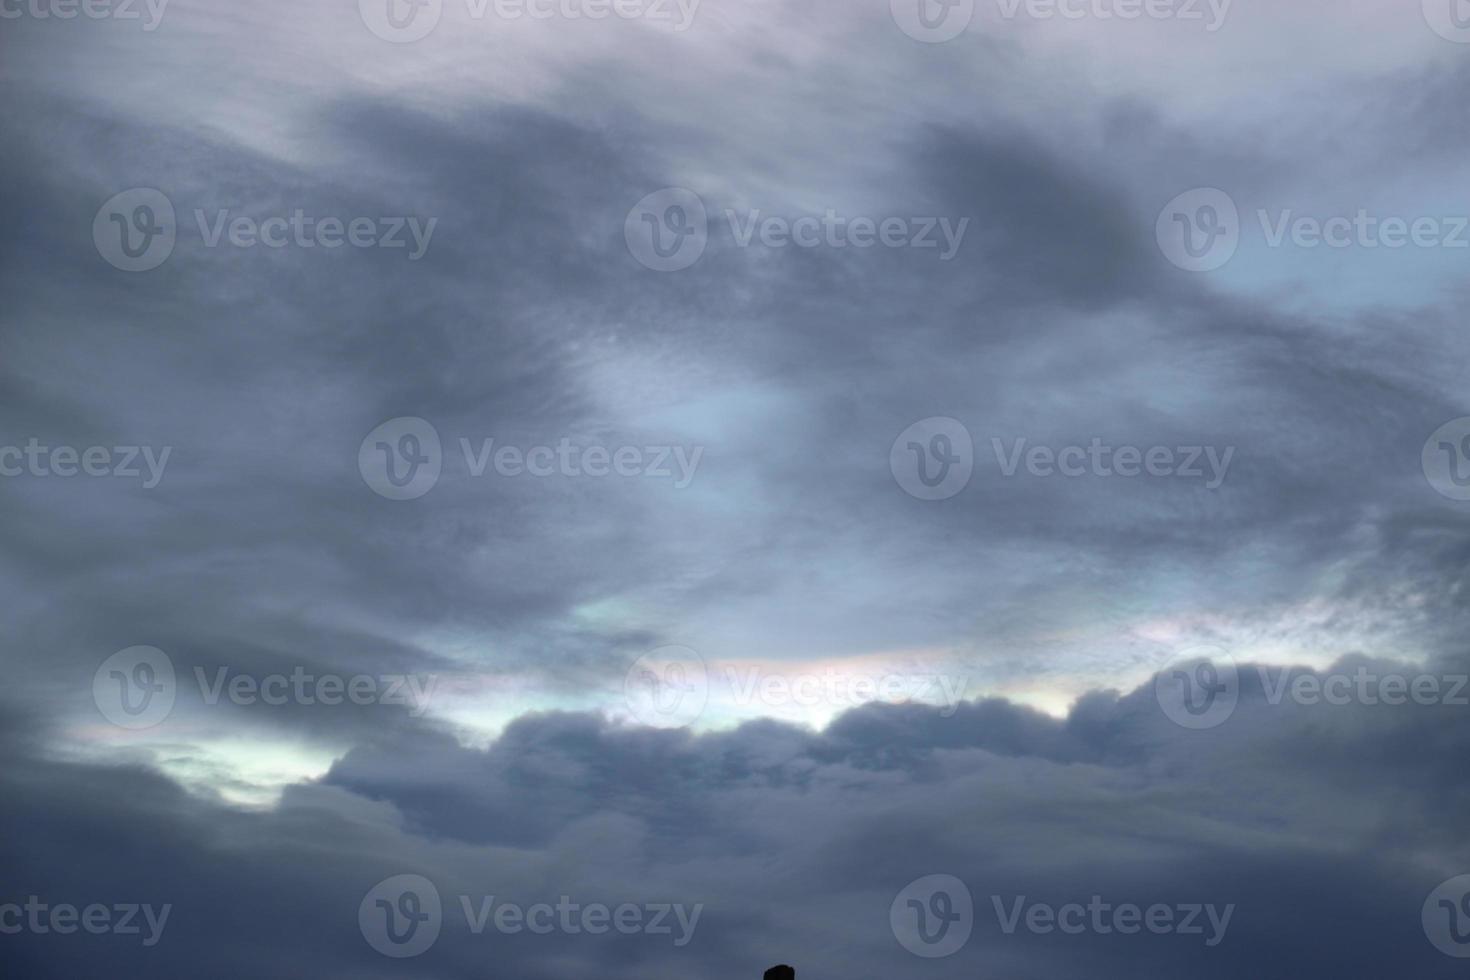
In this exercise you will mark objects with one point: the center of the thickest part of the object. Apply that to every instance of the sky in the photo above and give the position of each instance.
(876, 486)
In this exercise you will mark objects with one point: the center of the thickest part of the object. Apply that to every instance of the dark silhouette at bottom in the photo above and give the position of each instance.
(782, 972)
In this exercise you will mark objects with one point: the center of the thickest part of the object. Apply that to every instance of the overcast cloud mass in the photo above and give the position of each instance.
(659, 488)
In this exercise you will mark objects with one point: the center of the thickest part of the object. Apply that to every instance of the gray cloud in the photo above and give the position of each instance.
(792, 370)
(795, 842)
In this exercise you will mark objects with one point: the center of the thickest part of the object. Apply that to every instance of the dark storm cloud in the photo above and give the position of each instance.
(1325, 826)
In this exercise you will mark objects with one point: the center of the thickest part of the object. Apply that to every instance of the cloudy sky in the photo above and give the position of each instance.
(843, 473)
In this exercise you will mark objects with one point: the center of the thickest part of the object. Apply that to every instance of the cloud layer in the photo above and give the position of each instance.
(792, 541)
